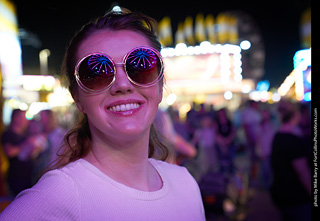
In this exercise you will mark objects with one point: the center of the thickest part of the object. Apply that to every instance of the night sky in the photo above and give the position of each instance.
(54, 23)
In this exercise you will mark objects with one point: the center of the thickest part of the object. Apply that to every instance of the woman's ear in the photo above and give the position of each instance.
(79, 106)
(78, 103)
(160, 93)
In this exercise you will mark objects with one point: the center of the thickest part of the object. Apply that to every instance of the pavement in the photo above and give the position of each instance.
(261, 208)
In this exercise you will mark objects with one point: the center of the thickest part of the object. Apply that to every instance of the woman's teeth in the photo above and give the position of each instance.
(124, 107)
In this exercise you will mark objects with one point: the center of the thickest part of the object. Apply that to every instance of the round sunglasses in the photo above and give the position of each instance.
(96, 72)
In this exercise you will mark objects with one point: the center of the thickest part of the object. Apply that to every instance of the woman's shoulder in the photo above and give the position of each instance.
(171, 171)
(183, 186)
(54, 195)
(57, 181)
(165, 165)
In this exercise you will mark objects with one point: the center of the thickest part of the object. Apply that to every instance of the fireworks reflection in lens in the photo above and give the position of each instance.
(100, 64)
(142, 58)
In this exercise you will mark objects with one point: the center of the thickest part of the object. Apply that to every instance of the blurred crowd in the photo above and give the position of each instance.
(28, 148)
(261, 144)
(225, 151)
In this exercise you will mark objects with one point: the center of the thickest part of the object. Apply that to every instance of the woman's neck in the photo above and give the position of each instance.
(125, 162)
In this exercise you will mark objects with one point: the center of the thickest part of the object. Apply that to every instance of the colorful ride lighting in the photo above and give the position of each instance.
(302, 61)
(229, 58)
(204, 48)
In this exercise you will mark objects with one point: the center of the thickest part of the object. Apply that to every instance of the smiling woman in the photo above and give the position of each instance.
(112, 164)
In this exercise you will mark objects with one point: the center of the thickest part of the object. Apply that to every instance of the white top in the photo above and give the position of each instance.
(80, 191)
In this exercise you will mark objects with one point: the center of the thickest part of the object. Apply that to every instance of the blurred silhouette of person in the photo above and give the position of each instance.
(291, 187)
(16, 144)
(40, 149)
(182, 148)
(212, 112)
(181, 127)
(226, 132)
(202, 113)
(251, 119)
(305, 120)
(305, 127)
(266, 133)
(192, 120)
(205, 139)
(53, 132)
(4, 165)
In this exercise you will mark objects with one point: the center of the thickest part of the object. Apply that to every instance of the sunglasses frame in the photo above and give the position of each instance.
(123, 63)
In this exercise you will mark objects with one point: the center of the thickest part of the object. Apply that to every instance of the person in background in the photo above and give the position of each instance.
(181, 127)
(251, 119)
(40, 156)
(4, 166)
(112, 165)
(305, 127)
(266, 133)
(226, 132)
(182, 149)
(291, 187)
(18, 149)
(53, 132)
(205, 139)
(192, 121)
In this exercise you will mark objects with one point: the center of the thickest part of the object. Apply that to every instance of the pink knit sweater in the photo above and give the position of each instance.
(80, 191)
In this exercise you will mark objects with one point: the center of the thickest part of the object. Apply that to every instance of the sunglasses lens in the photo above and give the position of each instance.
(143, 66)
(96, 72)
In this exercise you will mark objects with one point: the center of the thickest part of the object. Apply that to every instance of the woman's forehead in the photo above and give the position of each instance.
(114, 43)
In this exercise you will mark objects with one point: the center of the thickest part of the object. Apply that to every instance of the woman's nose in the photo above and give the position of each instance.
(122, 84)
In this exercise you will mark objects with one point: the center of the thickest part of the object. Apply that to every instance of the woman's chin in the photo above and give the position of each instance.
(132, 130)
